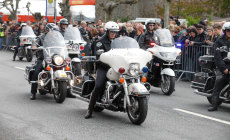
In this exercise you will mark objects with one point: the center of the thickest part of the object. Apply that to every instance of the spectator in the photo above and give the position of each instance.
(129, 28)
(99, 22)
(139, 32)
(217, 28)
(2, 34)
(158, 25)
(210, 36)
(85, 33)
(35, 29)
(176, 31)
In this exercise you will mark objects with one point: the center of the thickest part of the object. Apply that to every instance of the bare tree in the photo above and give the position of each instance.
(108, 6)
(65, 9)
(9, 5)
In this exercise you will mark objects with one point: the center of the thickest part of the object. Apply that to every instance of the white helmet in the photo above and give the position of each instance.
(23, 24)
(112, 26)
(226, 26)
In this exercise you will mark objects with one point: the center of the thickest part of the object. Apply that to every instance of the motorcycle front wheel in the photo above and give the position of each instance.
(60, 92)
(29, 56)
(138, 111)
(167, 84)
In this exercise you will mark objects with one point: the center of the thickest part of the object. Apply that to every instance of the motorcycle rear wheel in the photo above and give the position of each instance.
(60, 92)
(138, 111)
(29, 56)
(169, 85)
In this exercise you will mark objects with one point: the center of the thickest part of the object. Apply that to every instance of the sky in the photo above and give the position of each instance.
(40, 6)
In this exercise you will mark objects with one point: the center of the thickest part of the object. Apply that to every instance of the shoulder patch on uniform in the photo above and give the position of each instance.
(99, 44)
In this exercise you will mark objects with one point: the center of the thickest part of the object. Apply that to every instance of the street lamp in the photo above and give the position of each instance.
(28, 9)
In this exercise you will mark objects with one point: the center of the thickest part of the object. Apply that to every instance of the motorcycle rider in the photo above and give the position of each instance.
(222, 71)
(147, 37)
(104, 43)
(19, 32)
(39, 54)
(63, 25)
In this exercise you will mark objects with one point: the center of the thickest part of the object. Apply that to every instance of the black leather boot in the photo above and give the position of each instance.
(88, 114)
(212, 108)
(32, 96)
(14, 58)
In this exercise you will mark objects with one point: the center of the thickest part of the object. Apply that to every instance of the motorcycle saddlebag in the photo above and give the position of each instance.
(203, 82)
(207, 62)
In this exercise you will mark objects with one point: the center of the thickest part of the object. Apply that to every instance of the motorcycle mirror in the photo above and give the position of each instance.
(99, 52)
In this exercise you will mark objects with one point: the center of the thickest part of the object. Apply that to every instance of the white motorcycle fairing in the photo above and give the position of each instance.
(168, 71)
(60, 75)
(117, 58)
(137, 89)
(168, 54)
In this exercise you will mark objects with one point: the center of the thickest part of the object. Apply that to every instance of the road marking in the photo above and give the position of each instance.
(20, 68)
(202, 116)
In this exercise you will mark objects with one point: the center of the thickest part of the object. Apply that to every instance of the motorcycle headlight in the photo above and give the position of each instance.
(75, 47)
(168, 55)
(58, 60)
(134, 69)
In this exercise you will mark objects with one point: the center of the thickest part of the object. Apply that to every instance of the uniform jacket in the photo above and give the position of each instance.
(145, 40)
(219, 55)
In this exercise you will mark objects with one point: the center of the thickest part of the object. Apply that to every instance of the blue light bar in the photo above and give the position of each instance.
(145, 69)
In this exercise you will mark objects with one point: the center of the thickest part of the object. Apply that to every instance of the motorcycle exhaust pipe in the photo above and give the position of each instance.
(202, 93)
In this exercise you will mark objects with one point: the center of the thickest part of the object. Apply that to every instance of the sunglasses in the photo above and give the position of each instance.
(113, 32)
(228, 30)
(199, 28)
(151, 25)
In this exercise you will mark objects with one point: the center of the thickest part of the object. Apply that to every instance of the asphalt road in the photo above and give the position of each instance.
(181, 116)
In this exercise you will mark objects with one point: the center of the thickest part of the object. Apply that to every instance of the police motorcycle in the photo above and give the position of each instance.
(26, 39)
(164, 54)
(125, 90)
(56, 77)
(75, 44)
(204, 81)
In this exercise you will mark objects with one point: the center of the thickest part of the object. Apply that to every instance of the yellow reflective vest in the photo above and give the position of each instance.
(2, 34)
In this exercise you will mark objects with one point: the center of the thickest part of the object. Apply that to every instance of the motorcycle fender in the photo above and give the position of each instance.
(60, 75)
(138, 89)
(76, 60)
(168, 71)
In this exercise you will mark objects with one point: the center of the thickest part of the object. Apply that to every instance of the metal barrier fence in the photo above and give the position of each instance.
(8, 42)
(188, 63)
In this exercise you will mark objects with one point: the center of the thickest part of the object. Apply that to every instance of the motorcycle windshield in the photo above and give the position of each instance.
(73, 34)
(27, 31)
(54, 44)
(124, 42)
(164, 38)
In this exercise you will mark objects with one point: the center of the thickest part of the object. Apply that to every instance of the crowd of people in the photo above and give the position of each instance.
(196, 35)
